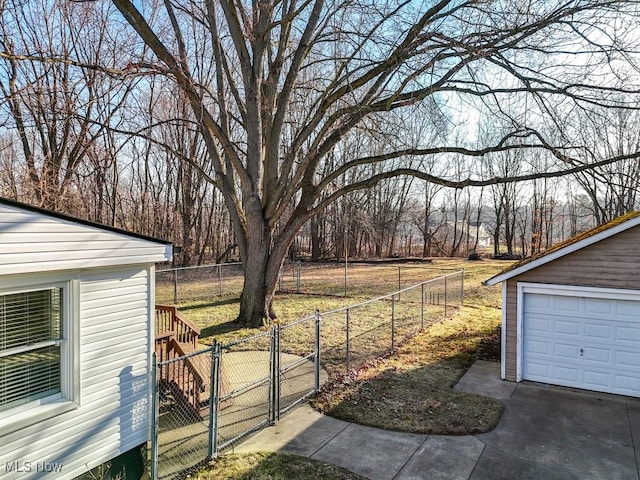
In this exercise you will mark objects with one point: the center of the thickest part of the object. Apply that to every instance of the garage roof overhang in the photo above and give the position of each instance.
(595, 235)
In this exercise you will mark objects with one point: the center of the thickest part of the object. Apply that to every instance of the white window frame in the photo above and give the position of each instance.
(68, 398)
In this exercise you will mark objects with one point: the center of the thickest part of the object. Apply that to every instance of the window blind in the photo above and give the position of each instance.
(30, 346)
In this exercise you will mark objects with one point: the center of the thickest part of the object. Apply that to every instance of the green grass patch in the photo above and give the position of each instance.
(272, 466)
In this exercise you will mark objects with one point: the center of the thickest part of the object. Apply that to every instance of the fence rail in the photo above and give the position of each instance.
(251, 382)
(210, 283)
(200, 283)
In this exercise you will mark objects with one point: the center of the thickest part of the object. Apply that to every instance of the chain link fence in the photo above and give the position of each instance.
(349, 279)
(200, 284)
(208, 400)
(211, 283)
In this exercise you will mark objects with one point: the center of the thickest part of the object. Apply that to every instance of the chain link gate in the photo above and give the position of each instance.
(210, 399)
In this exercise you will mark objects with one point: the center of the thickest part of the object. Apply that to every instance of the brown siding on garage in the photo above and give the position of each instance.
(511, 333)
(611, 263)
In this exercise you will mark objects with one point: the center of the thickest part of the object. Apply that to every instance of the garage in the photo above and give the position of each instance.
(582, 339)
(571, 314)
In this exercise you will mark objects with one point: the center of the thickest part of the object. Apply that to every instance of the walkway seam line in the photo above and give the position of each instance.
(526, 460)
(484, 447)
(410, 457)
(348, 424)
(633, 440)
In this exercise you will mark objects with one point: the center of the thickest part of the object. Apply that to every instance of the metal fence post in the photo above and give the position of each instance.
(272, 376)
(277, 370)
(393, 320)
(346, 282)
(175, 286)
(154, 416)
(422, 306)
(348, 340)
(214, 399)
(274, 404)
(317, 348)
(399, 282)
(445, 297)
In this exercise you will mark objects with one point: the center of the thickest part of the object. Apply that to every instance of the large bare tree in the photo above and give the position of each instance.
(278, 87)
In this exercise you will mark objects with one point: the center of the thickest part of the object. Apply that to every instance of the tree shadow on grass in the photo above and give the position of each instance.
(221, 329)
(205, 304)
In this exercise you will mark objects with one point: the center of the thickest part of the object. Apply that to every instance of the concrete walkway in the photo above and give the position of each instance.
(546, 433)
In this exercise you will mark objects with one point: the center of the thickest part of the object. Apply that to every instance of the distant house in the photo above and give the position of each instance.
(571, 315)
(465, 234)
(479, 231)
(76, 339)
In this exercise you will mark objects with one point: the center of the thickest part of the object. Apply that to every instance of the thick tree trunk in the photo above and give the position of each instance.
(260, 279)
(315, 240)
(261, 264)
(256, 300)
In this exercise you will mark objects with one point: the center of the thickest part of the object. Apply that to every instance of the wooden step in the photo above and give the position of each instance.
(202, 365)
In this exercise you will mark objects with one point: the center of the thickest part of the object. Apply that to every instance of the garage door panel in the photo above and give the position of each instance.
(598, 332)
(567, 327)
(564, 351)
(627, 384)
(628, 334)
(628, 359)
(538, 347)
(539, 324)
(597, 354)
(566, 304)
(538, 371)
(582, 342)
(597, 380)
(540, 303)
(628, 310)
(599, 306)
(566, 374)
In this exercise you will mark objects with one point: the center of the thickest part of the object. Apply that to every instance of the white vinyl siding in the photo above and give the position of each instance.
(34, 242)
(113, 413)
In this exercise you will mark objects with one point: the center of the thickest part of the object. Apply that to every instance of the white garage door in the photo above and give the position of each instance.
(574, 341)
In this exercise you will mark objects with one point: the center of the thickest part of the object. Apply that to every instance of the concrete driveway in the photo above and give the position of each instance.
(546, 433)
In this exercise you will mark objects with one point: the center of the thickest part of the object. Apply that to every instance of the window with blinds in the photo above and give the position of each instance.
(31, 340)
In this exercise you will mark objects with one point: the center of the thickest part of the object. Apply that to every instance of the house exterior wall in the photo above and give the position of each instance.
(112, 415)
(34, 242)
(610, 263)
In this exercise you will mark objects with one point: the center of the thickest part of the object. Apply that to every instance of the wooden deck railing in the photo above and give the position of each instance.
(169, 319)
(176, 336)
